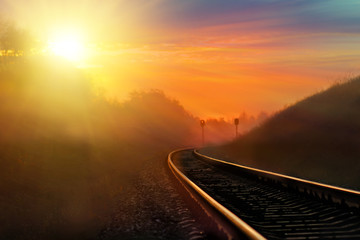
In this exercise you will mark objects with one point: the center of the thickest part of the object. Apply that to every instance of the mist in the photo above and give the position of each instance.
(66, 153)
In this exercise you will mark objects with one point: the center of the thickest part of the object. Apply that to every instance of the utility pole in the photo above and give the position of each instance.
(202, 124)
(236, 122)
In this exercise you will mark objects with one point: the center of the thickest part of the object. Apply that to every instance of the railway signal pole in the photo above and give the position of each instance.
(236, 122)
(202, 124)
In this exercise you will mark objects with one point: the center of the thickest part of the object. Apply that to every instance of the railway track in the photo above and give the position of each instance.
(254, 204)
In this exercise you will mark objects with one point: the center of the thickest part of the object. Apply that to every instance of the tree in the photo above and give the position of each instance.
(14, 41)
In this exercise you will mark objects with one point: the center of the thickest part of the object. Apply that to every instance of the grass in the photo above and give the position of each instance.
(317, 138)
(66, 154)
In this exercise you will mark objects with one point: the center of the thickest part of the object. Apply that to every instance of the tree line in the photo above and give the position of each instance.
(14, 41)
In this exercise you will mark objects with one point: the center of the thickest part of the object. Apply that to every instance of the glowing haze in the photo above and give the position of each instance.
(218, 58)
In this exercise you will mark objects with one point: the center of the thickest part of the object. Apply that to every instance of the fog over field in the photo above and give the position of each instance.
(67, 153)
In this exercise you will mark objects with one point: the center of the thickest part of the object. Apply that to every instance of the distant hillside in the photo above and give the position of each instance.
(317, 138)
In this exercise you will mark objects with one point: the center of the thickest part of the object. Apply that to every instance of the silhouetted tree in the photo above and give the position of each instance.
(14, 41)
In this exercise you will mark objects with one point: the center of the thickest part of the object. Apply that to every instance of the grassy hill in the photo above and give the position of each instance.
(317, 139)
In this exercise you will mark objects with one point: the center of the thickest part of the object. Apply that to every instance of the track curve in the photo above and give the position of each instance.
(262, 204)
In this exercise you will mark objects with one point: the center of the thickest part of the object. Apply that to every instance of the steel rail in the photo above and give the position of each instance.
(238, 223)
(335, 194)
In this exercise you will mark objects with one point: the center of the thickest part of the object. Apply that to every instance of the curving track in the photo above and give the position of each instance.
(256, 204)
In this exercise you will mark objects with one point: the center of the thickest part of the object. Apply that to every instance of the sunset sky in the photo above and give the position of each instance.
(217, 57)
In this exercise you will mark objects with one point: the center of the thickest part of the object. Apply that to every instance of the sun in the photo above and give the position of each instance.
(68, 46)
